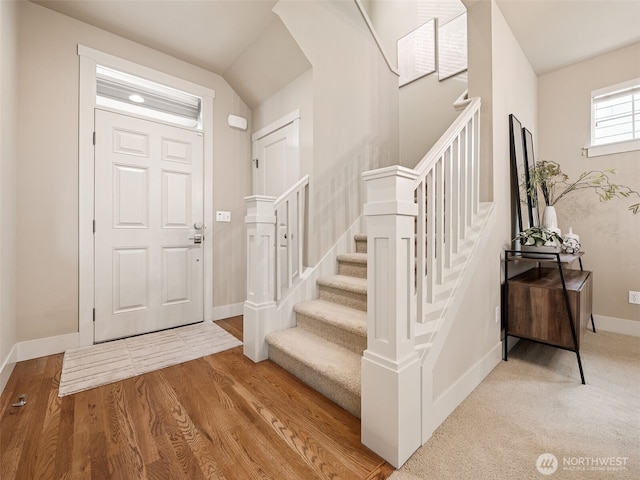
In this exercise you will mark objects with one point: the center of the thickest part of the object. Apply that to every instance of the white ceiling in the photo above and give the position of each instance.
(244, 41)
(556, 33)
(209, 34)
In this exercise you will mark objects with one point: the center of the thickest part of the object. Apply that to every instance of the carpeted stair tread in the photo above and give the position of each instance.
(361, 242)
(353, 258)
(326, 367)
(352, 264)
(360, 237)
(333, 361)
(334, 314)
(344, 282)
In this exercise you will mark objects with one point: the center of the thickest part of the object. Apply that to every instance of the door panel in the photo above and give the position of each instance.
(176, 281)
(130, 197)
(277, 165)
(130, 143)
(130, 279)
(176, 199)
(148, 196)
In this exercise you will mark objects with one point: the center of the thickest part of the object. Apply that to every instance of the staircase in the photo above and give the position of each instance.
(385, 378)
(325, 349)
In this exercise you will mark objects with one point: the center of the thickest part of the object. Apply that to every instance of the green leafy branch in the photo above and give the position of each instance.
(554, 184)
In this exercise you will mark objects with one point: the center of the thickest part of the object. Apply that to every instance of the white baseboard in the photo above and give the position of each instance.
(42, 347)
(456, 393)
(227, 311)
(617, 325)
(7, 367)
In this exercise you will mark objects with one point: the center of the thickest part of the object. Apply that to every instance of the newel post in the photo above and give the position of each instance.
(260, 307)
(391, 392)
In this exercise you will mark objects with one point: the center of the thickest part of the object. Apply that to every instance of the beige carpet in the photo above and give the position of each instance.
(534, 405)
(88, 367)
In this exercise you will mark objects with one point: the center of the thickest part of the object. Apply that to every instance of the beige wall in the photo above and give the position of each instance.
(47, 186)
(507, 84)
(354, 113)
(609, 234)
(426, 104)
(8, 165)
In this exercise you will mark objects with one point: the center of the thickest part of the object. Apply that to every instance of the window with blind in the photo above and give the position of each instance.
(125, 92)
(615, 119)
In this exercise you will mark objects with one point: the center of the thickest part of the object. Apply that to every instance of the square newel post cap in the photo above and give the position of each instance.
(260, 209)
(390, 190)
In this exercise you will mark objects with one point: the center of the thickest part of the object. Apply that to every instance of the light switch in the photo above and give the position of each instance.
(222, 216)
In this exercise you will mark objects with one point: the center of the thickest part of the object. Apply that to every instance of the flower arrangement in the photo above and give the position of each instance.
(555, 184)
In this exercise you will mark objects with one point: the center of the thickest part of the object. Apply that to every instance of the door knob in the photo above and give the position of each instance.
(198, 226)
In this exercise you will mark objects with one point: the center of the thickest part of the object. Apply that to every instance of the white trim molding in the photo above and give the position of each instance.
(226, 311)
(451, 398)
(611, 148)
(276, 125)
(41, 347)
(89, 58)
(7, 367)
(617, 325)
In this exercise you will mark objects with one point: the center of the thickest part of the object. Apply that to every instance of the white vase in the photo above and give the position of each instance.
(550, 219)
(571, 242)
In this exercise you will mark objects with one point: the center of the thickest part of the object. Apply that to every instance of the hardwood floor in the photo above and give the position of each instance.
(217, 417)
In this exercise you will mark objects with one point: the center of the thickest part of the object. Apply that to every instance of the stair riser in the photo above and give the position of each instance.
(352, 269)
(354, 342)
(343, 297)
(361, 246)
(333, 391)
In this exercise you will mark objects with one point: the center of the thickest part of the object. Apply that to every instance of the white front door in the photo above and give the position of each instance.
(276, 161)
(148, 216)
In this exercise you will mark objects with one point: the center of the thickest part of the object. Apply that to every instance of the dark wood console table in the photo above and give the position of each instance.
(549, 304)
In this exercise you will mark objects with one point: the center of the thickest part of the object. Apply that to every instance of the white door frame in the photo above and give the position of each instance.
(291, 118)
(89, 58)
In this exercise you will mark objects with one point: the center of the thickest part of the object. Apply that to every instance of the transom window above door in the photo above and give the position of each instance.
(127, 93)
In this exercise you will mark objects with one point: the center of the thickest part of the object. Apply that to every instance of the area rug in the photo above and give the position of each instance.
(89, 367)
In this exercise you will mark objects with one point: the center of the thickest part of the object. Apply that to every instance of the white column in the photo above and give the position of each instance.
(391, 413)
(260, 306)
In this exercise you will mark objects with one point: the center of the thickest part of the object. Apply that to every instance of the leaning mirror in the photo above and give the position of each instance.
(530, 162)
(519, 169)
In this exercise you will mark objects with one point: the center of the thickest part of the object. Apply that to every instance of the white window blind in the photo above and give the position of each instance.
(617, 116)
(615, 119)
(122, 91)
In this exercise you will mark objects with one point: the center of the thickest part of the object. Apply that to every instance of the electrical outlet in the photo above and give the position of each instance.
(498, 314)
(634, 297)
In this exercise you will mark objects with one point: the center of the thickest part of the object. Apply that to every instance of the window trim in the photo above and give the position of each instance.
(613, 147)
